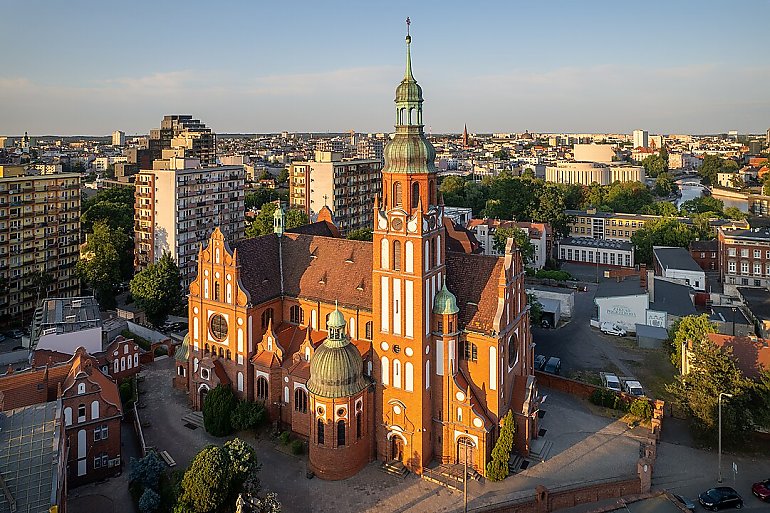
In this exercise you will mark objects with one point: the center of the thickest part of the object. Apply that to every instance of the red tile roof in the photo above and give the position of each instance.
(473, 279)
(752, 354)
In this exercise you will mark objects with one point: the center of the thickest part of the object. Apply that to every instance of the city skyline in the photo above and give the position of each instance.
(497, 68)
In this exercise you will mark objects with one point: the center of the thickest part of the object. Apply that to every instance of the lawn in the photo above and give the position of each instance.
(654, 371)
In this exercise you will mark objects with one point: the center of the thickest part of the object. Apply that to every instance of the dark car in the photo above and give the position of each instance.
(720, 498)
(762, 490)
(16, 333)
(540, 361)
(684, 501)
(552, 366)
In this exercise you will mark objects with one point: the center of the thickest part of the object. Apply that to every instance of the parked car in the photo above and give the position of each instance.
(16, 333)
(720, 498)
(612, 329)
(552, 366)
(2, 337)
(632, 387)
(540, 361)
(684, 501)
(610, 381)
(762, 490)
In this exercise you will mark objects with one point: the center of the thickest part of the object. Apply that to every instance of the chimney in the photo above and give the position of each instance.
(643, 276)
(651, 285)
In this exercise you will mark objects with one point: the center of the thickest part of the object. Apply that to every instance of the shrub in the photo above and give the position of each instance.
(641, 408)
(126, 392)
(217, 408)
(284, 437)
(604, 397)
(247, 415)
(161, 351)
(497, 468)
(553, 275)
(297, 447)
(147, 471)
(150, 501)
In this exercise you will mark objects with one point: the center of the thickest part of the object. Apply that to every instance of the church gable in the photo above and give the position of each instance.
(473, 279)
(219, 276)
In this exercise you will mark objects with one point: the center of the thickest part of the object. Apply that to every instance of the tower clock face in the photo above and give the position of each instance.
(397, 224)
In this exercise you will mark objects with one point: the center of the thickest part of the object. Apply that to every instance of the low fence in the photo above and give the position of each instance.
(546, 500)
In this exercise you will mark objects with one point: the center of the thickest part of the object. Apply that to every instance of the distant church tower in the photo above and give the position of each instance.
(408, 271)
(465, 136)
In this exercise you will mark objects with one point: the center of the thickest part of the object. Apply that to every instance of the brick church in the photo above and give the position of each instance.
(396, 349)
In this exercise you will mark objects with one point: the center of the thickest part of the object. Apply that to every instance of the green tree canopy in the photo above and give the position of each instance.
(713, 371)
(665, 185)
(117, 215)
(205, 486)
(654, 165)
(662, 232)
(157, 290)
(628, 197)
(104, 255)
(520, 238)
(217, 408)
(735, 213)
(536, 309)
(360, 234)
(660, 208)
(296, 217)
(714, 164)
(702, 205)
(694, 328)
(283, 176)
(497, 468)
(263, 223)
(259, 197)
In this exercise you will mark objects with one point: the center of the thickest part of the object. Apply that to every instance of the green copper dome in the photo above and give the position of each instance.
(445, 303)
(409, 152)
(336, 368)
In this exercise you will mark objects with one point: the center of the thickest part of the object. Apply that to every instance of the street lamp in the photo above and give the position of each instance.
(467, 443)
(720, 432)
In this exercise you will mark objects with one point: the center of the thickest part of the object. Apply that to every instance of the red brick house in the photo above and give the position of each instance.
(706, 254)
(119, 360)
(92, 411)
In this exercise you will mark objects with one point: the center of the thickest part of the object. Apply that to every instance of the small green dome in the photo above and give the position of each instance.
(445, 303)
(336, 368)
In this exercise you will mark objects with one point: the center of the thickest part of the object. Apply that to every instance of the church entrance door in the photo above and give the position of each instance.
(396, 448)
(202, 396)
(466, 451)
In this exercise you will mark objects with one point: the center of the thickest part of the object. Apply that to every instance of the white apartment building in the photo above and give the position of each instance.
(586, 173)
(540, 236)
(118, 138)
(178, 205)
(641, 138)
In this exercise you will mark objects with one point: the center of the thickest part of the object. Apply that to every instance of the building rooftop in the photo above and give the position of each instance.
(704, 245)
(728, 314)
(675, 258)
(672, 298)
(762, 234)
(30, 447)
(758, 301)
(588, 242)
(65, 315)
(630, 286)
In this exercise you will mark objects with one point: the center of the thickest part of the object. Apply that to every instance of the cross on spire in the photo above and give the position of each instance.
(325, 198)
(408, 22)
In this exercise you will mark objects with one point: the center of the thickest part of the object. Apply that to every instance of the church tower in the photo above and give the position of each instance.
(408, 271)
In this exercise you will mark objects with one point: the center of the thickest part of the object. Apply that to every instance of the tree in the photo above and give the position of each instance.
(760, 399)
(712, 165)
(217, 407)
(497, 468)
(502, 155)
(692, 328)
(260, 196)
(660, 208)
(662, 232)
(156, 289)
(263, 223)
(247, 415)
(665, 185)
(535, 310)
(628, 197)
(147, 471)
(360, 234)
(737, 182)
(241, 460)
(205, 486)
(735, 213)
(121, 194)
(703, 204)
(713, 371)
(116, 215)
(101, 264)
(265, 175)
(149, 502)
(283, 176)
(520, 238)
(654, 165)
(296, 217)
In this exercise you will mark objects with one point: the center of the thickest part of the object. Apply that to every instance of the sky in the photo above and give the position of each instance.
(84, 67)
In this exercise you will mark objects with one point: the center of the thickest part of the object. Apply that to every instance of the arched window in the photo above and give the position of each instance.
(340, 433)
(206, 349)
(262, 388)
(397, 373)
(320, 431)
(432, 192)
(300, 400)
(434, 252)
(415, 194)
(216, 291)
(385, 371)
(369, 330)
(228, 355)
(513, 350)
(396, 255)
(397, 194)
(221, 352)
(359, 425)
(94, 410)
(267, 316)
(296, 315)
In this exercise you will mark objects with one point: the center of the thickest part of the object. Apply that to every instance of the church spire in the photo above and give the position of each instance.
(408, 74)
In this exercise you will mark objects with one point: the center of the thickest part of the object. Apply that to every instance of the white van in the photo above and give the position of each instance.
(612, 329)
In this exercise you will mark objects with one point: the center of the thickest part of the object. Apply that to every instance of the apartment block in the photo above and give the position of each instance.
(187, 136)
(347, 186)
(39, 233)
(178, 204)
(586, 173)
(540, 236)
(744, 258)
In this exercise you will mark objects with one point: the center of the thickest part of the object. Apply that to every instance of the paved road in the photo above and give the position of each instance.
(579, 346)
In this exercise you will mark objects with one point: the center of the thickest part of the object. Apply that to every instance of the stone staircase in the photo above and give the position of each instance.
(450, 475)
(540, 449)
(194, 418)
(514, 463)
(394, 468)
